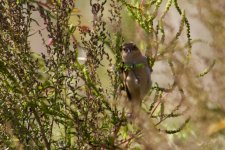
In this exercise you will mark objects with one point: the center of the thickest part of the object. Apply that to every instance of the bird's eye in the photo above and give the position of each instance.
(127, 50)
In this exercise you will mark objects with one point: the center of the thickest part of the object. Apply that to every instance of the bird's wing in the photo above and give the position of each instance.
(125, 73)
(132, 85)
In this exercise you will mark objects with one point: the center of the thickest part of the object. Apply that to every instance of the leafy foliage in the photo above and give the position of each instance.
(56, 101)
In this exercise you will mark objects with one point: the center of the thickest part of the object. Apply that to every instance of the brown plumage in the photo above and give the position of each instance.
(136, 73)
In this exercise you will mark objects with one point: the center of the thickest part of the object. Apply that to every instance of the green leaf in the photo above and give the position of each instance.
(4, 71)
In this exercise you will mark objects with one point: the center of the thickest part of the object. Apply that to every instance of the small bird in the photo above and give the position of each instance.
(136, 73)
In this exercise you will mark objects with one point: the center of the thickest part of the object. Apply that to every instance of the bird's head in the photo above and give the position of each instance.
(130, 51)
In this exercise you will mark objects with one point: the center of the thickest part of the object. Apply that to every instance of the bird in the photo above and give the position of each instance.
(136, 74)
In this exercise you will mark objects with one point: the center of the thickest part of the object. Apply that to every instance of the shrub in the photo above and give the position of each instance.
(54, 100)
